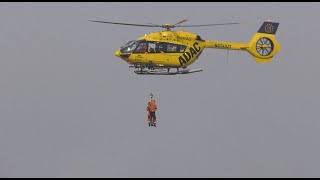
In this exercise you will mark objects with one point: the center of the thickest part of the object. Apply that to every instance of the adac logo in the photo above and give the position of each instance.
(187, 56)
(268, 28)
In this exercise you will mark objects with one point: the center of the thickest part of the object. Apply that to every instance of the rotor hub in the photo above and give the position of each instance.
(168, 26)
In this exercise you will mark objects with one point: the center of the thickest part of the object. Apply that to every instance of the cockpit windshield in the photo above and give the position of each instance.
(129, 47)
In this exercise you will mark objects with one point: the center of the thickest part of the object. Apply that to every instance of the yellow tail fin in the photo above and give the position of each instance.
(263, 45)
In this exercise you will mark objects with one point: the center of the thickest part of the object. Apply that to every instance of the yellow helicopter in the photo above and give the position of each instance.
(156, 53)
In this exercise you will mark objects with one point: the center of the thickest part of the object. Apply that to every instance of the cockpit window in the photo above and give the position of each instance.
(142, 48)
(129, 47)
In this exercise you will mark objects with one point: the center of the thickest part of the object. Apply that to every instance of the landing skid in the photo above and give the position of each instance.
(150, 70)
(161, 72)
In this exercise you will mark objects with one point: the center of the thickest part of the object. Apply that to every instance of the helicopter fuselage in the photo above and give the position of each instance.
(177, 49)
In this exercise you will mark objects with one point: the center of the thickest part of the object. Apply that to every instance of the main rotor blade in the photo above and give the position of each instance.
(180, 22)
(207, 25)
(145, 25)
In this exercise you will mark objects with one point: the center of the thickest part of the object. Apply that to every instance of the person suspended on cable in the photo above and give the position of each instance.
(148, 110)
(152, 108)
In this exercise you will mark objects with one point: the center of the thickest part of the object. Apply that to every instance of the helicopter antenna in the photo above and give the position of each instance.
(228, 56)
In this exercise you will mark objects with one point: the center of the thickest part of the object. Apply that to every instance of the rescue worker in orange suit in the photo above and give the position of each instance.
(151, 108)
(148, 107)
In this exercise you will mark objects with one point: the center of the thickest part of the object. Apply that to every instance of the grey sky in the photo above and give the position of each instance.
(70, 108)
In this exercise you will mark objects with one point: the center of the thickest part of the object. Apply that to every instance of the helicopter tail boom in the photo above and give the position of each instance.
(262, 46)
(226, 45)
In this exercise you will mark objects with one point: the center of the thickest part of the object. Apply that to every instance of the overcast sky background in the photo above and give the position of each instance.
(70, 108)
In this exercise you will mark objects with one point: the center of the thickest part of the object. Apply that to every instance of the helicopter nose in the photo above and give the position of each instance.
(117, 53)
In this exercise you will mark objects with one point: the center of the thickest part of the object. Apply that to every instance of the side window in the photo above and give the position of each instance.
(151, 47)
(142, 48)
(182, 48)
(175, 48)
(160, 47)
(172, 48)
